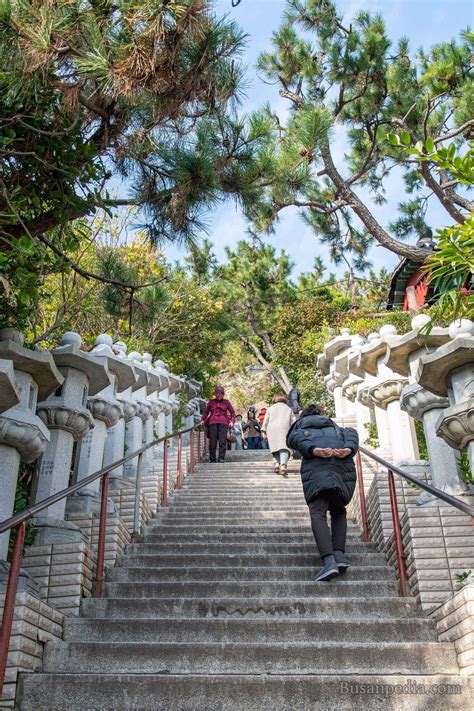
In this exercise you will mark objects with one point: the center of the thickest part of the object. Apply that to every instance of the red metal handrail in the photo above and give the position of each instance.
(179, 464)
(191, 453)
(363, 509)
(164, 498)
(19, 521)
(397, 529)
(10, 597)
(397, 536)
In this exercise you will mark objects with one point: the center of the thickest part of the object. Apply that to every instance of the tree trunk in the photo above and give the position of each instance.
(416, 254)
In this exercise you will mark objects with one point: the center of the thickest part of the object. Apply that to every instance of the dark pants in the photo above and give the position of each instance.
(328, 540)
(217, 433)
(253, 442)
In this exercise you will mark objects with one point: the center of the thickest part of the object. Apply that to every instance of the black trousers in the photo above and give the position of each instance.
(217, 433)
(328, 540)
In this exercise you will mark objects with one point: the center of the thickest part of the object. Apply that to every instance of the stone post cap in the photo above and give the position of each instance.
(350, 387)
(387, 391)
(194, 386)
(416, 400)
(70, 355)
(9, 395)
(376, 347)
(176, 384)
(398, 353)
(434, 368)
(337, 344)
(140, 370)
(357, 340)
(122, 368)
(39, 364)
(461, 328)
(154, 381)
(341, 367)
(120, 349)
(456, 425)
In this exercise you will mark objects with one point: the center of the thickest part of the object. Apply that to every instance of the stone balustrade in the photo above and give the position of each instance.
(427, 375)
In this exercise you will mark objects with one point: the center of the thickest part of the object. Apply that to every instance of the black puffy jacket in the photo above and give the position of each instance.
(319, 473)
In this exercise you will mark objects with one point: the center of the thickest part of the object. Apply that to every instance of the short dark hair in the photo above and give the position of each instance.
(312, 409)
(279, 397)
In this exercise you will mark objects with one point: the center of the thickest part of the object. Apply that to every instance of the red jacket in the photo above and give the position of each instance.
(216, 413)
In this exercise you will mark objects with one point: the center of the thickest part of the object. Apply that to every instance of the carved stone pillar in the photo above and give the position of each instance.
(23, 435)
(449, 371)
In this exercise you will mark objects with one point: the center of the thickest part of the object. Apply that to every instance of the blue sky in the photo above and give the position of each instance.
(424, 22)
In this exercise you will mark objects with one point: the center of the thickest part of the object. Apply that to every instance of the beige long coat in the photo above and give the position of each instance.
(276, 424)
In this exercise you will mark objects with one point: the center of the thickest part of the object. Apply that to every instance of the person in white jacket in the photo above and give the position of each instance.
(276, 425)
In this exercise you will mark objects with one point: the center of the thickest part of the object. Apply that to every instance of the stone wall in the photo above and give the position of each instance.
(455, 623)
(35, 622)
(64, 571)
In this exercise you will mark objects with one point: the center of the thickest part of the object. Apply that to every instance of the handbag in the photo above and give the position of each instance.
(231, 437)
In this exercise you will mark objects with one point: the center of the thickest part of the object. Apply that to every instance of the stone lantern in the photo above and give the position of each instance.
(123, 378)
(448, 372)
(67, 417)
(334, 378)
(385, 394)
(423, 405)
(135, 426)
(9, 392)
(106, 412)
(23, 436)
(352, 389)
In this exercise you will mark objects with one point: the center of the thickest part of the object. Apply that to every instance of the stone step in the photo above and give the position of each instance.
(235, 518)
(245, 544)
(277, 560)
(234, 692)
(146, 573)
(226, 536)
(185, 629)
(343, 585)
(250, 657)
(235, 529)
(339, 607)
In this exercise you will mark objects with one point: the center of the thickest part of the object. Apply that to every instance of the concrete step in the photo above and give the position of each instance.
(250, 658)
(170, 629)
(234, 692)
(258, 538)
(236, 529)
(146, 573)
(277, 560)
(343, 585)
(342, 607)
(245, 544)
(239, 518)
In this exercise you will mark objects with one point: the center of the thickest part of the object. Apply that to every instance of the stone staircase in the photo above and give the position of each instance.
(216, 609)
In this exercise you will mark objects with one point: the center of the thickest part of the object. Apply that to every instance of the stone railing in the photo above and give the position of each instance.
(76, 412)
(391, 381)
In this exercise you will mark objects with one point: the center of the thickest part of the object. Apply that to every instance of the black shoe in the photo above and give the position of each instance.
(221, 461)
(328, 571)
(342, 562)
(212, 461)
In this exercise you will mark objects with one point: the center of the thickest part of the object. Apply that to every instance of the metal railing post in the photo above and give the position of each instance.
(138, 493)
(99, 576)
(199, 447)
(179, 475)
(164, 496)
(397, 536)
(10, 597)
(191, 453)
(363, 509)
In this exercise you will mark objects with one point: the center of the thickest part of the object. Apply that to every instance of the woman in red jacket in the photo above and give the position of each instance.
(219, 415)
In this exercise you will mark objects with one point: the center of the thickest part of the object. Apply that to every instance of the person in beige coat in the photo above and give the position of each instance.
(276, 424)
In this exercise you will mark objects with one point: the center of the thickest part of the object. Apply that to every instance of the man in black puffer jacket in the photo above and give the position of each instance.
(329, 476)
